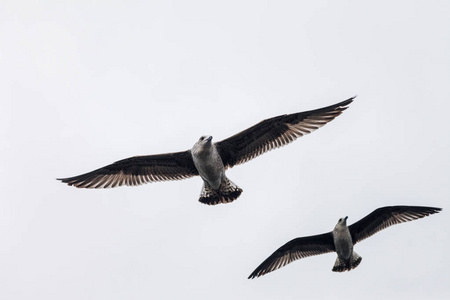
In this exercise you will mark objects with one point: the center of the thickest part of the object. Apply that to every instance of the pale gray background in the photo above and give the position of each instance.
(86, 83)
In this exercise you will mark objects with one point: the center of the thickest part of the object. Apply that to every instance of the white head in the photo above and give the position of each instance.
(203, 144)
(342, 222)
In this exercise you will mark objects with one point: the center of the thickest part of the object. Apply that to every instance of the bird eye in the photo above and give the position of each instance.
(201, 138)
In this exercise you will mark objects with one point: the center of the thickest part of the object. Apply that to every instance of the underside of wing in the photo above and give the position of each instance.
(275, 132)
(384, 217)
(296, 249)
(138, 170)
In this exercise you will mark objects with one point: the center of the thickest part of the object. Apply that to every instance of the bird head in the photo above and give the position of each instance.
(203, 145)
(205, 139)
(343, 221)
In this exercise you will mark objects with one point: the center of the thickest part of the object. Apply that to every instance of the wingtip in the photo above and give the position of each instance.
(430, 210)
(63, 180)
(350, 100)
(344, 104)
(257, 273)
(67, 181)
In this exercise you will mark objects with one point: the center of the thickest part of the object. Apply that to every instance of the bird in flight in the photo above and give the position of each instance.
(210, 160)
(342, 239)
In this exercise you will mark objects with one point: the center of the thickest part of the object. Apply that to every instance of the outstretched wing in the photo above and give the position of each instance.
(384, 217)
(293, 250)
(138, 170)
(275, 132)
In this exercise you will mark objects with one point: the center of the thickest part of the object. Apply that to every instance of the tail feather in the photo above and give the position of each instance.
(342, 266)
(228, 192)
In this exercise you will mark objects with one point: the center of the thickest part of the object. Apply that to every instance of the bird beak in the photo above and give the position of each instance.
(346, 218)
(209, 139)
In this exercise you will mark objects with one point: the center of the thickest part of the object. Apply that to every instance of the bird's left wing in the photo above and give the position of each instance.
(138, 170)
(384, 217)
(293, 250)
(275, 132)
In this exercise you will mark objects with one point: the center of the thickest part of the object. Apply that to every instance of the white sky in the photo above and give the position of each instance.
(86, 83)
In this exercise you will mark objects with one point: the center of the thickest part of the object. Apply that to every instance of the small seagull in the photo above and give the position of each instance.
(210, 160)
(342, 239)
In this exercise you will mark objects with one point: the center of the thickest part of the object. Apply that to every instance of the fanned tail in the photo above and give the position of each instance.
(228, 192)
(342, 266)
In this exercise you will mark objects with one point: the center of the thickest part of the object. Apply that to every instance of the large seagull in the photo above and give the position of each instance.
(342, 239)
(210, 160)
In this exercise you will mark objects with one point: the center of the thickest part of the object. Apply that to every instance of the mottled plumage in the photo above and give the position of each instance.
(210, 160)
(342, 239)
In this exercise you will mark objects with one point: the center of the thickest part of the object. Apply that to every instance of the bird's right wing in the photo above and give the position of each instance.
(384, 217)
(138, 170)
(275, 132)
(293, 250)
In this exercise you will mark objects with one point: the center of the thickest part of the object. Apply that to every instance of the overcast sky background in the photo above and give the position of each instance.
(86, 83)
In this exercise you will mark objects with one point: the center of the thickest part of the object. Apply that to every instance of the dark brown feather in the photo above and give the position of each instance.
(275, 132)
(384, 217)
(138, 170)
(296, 249)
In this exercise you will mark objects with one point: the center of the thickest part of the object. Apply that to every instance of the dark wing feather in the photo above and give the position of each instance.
(138, 170)
(275, 132)
(295, 249)
(384, 217)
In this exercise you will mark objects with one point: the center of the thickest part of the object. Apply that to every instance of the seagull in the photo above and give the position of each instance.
(342, 239)
(210, 160)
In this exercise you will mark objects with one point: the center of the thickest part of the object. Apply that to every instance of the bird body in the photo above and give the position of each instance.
(210, 160)
(216, 186)
(347, 259)
(342, 239)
